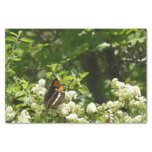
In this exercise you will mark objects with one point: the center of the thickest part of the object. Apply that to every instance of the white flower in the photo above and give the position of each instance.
(39, 88)
(102, 108)
(116, 84)
(69, 95)
(63, 109)
(41, 91)
(9, 109)
(80, 119)
(71, 105)
(142, 99)
(136, 91)
(9, 115)
(33, 89)
(42, 82)
(109, 104)
(128, 119)
(33, 105)
(72, 117)
(24, 117)
(91, 108)
(124, 92)
(26, 100)
(137, 103)
(119, 112)
(138, 118)
(106, 116)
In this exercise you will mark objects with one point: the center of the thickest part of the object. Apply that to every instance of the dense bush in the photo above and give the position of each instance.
(32, 109)
(30, 69)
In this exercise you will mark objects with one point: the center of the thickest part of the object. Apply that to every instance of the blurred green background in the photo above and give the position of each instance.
(104, 53)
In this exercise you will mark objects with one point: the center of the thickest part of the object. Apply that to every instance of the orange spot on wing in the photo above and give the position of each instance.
(56, 83)
(61, 89)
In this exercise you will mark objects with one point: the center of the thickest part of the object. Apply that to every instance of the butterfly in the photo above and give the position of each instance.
(55, 95)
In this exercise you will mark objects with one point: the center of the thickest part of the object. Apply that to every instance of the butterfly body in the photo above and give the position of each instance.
(55, 95)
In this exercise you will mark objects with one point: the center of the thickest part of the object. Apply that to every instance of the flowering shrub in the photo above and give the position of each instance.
(129, 106)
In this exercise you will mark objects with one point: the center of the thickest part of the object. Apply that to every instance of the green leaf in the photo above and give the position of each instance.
(13, 33)
(10, 72)
(52, 66)
(21, 98)
(10, 38)
(25, 40)
(20, 105)
(17, 59)
(70, 77)
(74, 72)
(24, 86)
(81, 91)
(42, 45)
(48, 75)
(16, 88)
(63, 72)
(83, 75)
(7, 46)
(30, 86)
(23, 81)
(9, 89)
(19, 33)
(103, 46)
(85, 89)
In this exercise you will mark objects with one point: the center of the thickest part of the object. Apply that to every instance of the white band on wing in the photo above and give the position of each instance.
(56, 99)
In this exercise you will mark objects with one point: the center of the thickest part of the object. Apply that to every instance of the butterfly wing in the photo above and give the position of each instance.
(55, 94)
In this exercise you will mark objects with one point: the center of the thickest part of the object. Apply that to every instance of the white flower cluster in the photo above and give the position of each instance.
(70, 95)
(24, 117)
(71, 111)
(91, 108)
(124, 91)
(129, 98)
(129, 107)
(72, 117)
(9, 115)
(39, 88)
(136, 119)
(139, 103)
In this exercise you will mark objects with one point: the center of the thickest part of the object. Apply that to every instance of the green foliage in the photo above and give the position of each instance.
(80, 59)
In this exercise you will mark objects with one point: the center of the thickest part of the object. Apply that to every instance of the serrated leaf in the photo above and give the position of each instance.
(25, 39)
(10, 38)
